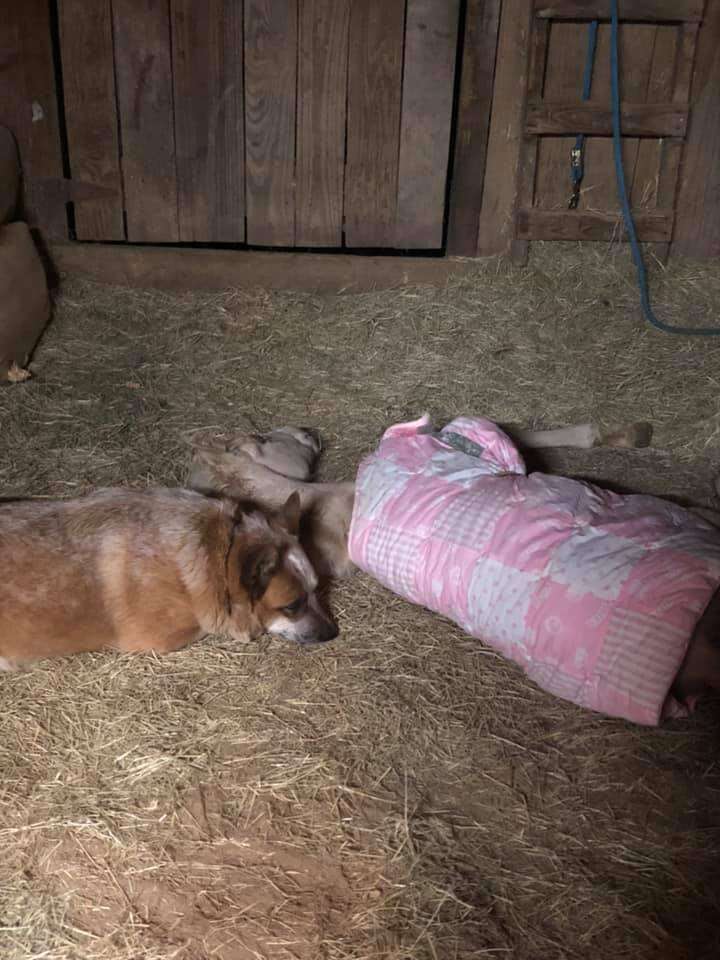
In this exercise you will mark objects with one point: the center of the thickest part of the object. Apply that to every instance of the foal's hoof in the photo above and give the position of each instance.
(633, 436)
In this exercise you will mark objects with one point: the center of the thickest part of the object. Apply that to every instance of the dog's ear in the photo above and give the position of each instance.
(289, 514)
(257, 568)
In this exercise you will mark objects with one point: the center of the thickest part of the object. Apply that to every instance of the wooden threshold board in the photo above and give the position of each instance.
(172, 268)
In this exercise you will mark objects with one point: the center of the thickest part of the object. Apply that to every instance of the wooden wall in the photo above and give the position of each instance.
(328, 123)
(279, 123)
(697, 228)
(651, 57)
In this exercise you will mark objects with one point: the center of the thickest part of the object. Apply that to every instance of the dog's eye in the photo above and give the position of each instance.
(296, 606)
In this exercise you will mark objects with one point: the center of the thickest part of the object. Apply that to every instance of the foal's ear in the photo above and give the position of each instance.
(289, 515)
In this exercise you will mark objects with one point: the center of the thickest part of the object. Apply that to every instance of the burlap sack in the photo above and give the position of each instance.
(24, 300)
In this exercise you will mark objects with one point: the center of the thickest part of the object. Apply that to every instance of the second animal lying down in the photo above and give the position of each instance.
(609, 601)
(150, 570)
(270, 467)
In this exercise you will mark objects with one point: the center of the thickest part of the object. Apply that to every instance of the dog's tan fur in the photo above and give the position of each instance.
(147, 570)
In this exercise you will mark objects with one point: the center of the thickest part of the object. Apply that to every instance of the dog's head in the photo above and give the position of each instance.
(268, 571)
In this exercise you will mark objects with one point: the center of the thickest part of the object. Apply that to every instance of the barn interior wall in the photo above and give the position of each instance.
(482, 192)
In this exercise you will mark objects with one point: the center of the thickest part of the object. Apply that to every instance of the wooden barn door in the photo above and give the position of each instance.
(278, 123)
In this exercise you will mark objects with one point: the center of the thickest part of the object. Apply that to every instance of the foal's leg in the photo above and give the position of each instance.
(583, 436)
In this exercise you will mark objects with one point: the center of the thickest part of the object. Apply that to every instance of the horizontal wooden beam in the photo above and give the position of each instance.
(653, 226)
(651, 11)
(638, 120)
(177, 268)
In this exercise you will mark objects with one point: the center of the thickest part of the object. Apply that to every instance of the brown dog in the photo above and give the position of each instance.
(150, 570)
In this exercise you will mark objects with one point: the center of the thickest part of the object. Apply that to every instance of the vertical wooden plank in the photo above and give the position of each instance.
(373, 139)
(28, 107)
(658, 161)
(636, 52)
(270, 121)
(679, 75)
(322, 100)
(426, 117)
(687, 49)
(207, 65)
(91, 114)
(563, 81)
(539, 36)
(496, 226)
(566, 62)
(660, 87)
(697, 224)
(669, 156)
(144, 81)
(477, 73)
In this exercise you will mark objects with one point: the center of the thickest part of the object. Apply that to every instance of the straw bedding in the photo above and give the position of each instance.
(403, 793)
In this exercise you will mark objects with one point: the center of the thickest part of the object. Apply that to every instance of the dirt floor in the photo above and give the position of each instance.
(402, 793)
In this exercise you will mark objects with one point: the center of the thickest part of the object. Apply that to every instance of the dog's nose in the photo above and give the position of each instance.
(323, 635)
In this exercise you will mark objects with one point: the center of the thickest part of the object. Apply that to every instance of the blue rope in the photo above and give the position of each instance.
(625, 202)
(577, 166)
(592, 44)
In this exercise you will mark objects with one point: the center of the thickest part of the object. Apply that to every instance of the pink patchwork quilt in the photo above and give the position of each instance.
(595, 595)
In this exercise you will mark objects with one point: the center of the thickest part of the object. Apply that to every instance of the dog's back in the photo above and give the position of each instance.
(80, 574)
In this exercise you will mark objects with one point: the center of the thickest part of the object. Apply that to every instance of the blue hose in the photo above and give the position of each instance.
(625, 202)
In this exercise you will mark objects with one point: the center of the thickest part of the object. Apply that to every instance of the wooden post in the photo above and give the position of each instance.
(480, 37)
(697, 225)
